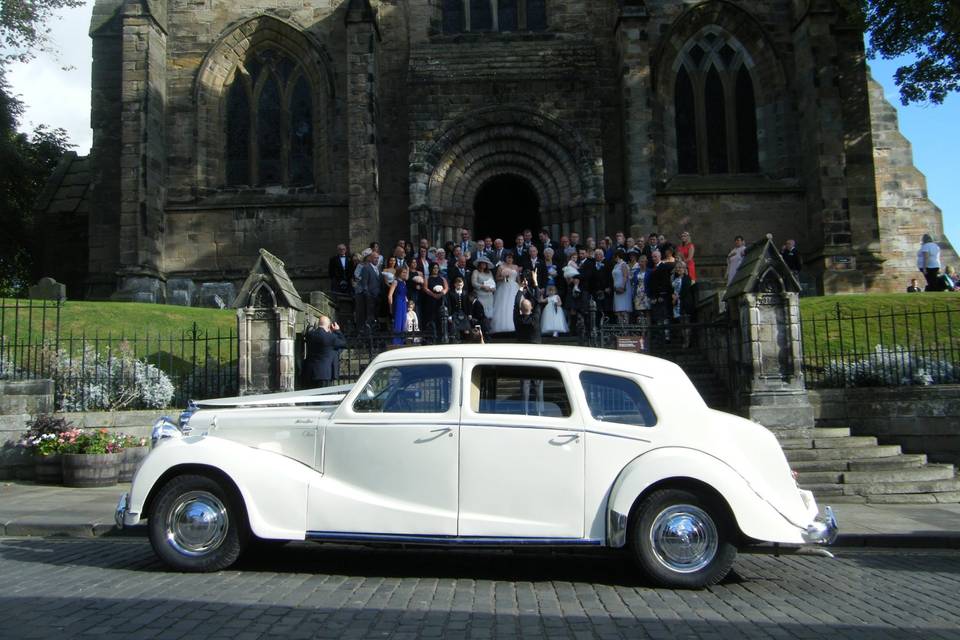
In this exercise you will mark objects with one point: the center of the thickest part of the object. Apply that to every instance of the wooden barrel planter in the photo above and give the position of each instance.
(90, 469)
(130, 460)
(48, 469)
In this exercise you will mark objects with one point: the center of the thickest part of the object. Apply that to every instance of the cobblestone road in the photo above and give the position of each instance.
(115, 587)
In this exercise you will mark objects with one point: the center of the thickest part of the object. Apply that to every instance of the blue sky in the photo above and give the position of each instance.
(61, 98)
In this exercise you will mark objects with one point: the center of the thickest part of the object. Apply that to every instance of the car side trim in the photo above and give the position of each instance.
(346, 536)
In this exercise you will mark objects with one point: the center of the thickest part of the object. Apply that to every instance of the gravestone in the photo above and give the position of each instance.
(48, 289)
(181, 291)
(216, 295)
(763, 301)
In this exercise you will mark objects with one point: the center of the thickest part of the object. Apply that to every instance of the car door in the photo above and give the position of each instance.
(521, 452)
(390, 454)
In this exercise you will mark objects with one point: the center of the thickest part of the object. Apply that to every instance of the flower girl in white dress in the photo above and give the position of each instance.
(553, 321)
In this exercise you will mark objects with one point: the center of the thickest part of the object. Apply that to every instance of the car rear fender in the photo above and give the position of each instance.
(273, 487)
(756, 517)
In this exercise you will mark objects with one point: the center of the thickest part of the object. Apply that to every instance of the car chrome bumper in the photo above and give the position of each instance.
(823, 530)
(123, 517)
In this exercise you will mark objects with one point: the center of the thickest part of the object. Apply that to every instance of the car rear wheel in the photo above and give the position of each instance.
(682, 540)
(196, 525)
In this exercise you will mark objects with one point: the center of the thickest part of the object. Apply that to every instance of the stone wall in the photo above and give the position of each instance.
(919, 419)
(410, 122)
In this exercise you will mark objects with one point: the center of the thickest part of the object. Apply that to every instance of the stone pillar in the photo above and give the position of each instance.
(363, 159)
(773, 393)
(267, 356)
(633, 44)
(831, 123)
(142, 155)
(763, 308)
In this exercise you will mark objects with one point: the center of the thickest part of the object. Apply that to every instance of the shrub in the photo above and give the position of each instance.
(113, 380)
(887, 367)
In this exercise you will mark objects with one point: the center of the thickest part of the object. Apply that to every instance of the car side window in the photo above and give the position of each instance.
(518, 390)
(616, 399)
(419, 388)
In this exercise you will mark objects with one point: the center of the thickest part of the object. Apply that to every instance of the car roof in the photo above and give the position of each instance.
(606, 358)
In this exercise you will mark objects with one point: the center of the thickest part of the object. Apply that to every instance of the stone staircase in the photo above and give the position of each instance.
(840, 468)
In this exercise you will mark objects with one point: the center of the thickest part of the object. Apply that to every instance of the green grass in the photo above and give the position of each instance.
(167, 335)
(858, 323)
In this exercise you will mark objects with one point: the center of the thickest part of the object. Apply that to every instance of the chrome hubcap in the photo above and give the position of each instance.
(197, 523)
(684, 538)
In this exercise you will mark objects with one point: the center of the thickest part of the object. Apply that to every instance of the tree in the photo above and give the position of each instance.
(927, 31)
(23, 25)
(26, 162)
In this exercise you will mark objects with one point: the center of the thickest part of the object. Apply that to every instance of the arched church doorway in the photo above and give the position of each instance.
(505, 205)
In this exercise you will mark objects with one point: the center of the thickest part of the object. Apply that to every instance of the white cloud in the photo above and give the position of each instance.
(52, 95)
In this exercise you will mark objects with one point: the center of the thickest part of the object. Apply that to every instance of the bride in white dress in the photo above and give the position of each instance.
(505, 297)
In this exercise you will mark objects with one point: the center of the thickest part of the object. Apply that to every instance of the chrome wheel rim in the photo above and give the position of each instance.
(197, 523)
(684, 538)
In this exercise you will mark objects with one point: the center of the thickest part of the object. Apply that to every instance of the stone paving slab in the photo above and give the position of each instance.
(55, 589)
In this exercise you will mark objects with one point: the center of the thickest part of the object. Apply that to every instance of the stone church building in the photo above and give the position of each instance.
(224, 126)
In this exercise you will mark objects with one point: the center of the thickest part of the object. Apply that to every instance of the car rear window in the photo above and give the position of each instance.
(419, 388)
(517, 390)
(616, 399)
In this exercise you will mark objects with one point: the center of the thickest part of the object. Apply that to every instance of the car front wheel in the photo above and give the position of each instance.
(681, 540)
(195, 525)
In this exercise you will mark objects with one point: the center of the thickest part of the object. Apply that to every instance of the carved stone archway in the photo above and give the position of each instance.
(447, 175)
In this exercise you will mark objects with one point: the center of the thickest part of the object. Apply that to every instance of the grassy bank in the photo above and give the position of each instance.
(171, 336)
(858, 323)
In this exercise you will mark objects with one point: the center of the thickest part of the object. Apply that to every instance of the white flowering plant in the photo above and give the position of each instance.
(110, 381)
(887, 367)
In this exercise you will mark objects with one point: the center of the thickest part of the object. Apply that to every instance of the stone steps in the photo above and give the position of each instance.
(840, 468)
(844, 453)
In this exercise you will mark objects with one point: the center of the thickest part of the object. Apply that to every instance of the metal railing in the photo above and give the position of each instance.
(894, 347)
(114, 370)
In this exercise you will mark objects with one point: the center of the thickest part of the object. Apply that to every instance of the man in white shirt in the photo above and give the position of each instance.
(928, 262)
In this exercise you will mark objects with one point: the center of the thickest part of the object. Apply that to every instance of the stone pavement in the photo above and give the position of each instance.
(27, 509)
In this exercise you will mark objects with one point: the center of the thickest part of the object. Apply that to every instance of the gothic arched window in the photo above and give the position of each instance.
(461, 16)
(269, 123)
(715, 108)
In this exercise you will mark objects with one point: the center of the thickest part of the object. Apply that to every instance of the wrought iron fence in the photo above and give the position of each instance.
(363, 348)
(887, 348)
(112, 371)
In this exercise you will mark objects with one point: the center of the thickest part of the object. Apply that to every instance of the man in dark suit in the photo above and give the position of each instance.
(545, 241)
(324, 343)
(533, 263)
(458, 306)
(368, 292)
(519, 249)
(460, 270)
(526, 319)
(499, 251)
(339, 270)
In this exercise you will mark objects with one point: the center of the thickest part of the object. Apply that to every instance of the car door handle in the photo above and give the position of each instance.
(303, 421)
(438, 433)
(566, 438)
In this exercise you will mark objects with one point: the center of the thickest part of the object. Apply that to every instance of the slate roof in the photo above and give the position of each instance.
(759, 258)
(270, 269)
(67, 191)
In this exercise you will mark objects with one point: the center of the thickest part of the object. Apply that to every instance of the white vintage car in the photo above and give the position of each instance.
(478, 445)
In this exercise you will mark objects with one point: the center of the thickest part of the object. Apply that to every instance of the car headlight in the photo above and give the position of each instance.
(163, 429)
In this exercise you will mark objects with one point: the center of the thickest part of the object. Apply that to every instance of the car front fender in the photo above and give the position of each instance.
(756, 516)
(273, 487)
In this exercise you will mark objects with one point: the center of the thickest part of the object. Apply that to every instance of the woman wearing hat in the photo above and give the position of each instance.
(483, 283)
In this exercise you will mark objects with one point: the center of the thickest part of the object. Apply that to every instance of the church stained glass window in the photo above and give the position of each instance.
(715, 108)
(269, 123)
